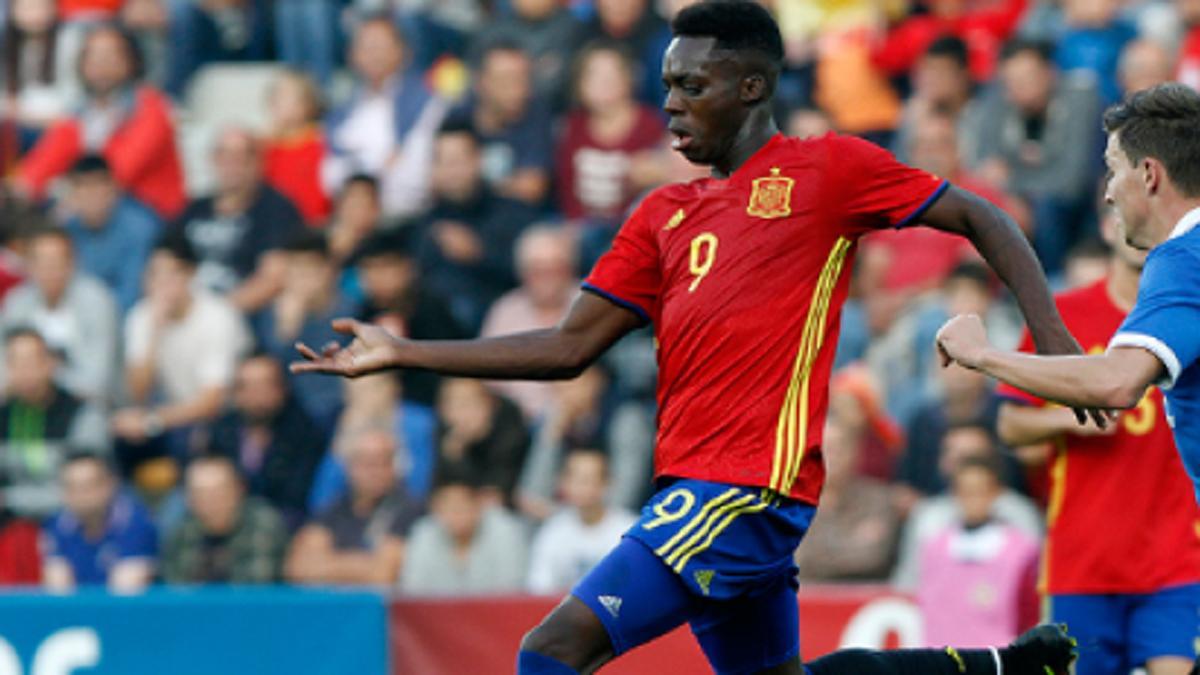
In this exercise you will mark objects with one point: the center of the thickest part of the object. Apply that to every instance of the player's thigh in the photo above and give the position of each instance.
(755, 633)
(1099, 623)
(1166, 624)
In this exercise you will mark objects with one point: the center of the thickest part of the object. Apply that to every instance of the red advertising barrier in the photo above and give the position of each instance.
(480, 636)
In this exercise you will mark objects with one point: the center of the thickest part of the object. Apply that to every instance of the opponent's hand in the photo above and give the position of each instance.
(1064, 344)
(373, 349)
(963, 340)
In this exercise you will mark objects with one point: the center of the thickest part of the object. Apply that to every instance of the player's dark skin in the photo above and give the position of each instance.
(719, 103)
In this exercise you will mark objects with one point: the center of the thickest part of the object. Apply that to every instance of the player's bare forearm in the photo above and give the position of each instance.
(1025, 425)
(1100, 381)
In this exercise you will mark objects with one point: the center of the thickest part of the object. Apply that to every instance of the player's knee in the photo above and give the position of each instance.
(571, 634)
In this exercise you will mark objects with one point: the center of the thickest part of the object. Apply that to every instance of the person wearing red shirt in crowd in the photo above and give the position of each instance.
(984, 30)
(128, 123)
(1132, 594)
(605, 138)
(20, 558)
(743, 276)
(71, 10)
(293, 150)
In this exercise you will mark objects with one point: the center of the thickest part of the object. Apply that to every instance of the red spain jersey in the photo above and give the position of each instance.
(1122, 516)
(744, 279)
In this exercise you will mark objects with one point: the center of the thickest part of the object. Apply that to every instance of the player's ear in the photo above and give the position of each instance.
(754, 88)
(1153, 173)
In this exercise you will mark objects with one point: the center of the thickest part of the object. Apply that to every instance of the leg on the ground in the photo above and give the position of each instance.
(753, 634)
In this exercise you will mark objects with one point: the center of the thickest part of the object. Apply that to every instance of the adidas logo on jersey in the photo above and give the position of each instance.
(612, 603)
(704, 579)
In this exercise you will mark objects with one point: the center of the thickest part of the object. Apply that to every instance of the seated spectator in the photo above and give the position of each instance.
(1028, 139)
(360, 539)
(208, 31)
(464, 546)
(15, 218)
(634, 25)
(548, 33)
(387, 127)
(398, 299)
(854, 535)
(303, 310)
(356, 214)
(112, 232)
(546, 265)
(268, 436)
(604, 139)
(1087, 262)
(181, 349)
(73, 312)
(295, 144)
(984, 27)
(226, 537)
(977, 575)
(129, 124)
(1143, 64)
(572, 541)
(1091, 42)
(941, 84)
(808, 122)
(931, 516)
(20, 557)
(467, 236)
(511, 123)
(482, 434)
(40, 423)
(240, 229)
(102, 537)
(36, 75)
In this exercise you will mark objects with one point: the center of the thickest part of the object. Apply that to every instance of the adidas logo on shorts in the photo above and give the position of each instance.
(612, 603)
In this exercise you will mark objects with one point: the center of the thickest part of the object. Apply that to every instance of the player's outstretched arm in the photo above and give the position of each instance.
(562, 352)
(1116, 379)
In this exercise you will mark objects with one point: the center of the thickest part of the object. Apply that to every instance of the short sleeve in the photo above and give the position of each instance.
(876, 189)
(1166, 319)
(629, 274)
(1010, 393)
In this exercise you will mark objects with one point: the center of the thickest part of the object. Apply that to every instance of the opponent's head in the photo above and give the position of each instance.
(1153, 159)
(721, 67)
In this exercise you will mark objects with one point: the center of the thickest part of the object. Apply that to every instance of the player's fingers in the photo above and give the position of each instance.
(330, 349)
(1099, 418)
(307, 351)
(345, 326)
(299, 367)
(945, 355)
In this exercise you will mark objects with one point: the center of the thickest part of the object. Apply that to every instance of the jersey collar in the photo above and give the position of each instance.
(1187, 223)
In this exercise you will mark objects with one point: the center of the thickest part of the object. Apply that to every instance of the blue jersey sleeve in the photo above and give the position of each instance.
(140, 538)
(1166, 319)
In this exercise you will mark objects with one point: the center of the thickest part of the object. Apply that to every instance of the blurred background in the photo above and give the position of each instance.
(190, 186)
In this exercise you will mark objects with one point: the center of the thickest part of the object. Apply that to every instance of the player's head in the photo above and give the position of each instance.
(721, 67)
(1153, 159)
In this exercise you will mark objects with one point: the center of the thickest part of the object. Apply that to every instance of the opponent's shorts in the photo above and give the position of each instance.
(718, 557)
(1119, 632)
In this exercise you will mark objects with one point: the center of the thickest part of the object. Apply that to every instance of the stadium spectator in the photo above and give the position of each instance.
(376, 403)
(302, 311)
(40, 423)
(15, 218)
(356, 214)
(548, 33)
(295, 144)
(1187, 65)
(1143, 64)
(1029, 141)
(386, 129)
(181, 349)
(396, 297)
(482, 434)
(855, 402)
(112, 232)
(150, 23)
(977, 575)
(546, 265)
(941, 84)
(1087, 263)
(636, 26)
(808, 122)
(853, 537)
(226, 536)
(931, 516)
(74, 313)
(360, 539)
(239, 230)
(275, 445)
(983, 27)
(20, 557)
(573, 540)
(464, 546)
(36, 78)
(604, 139)
(511, 123)
(1091, 42)
(308, 36)
(467, 237)
(129, 123)
(102, 537)
(208, 31)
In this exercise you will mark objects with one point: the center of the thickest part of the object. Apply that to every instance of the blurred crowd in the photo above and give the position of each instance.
(453, 169)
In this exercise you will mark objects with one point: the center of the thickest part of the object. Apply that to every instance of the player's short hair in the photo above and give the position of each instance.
(736, 25)
(949, 47)
(1162, 122)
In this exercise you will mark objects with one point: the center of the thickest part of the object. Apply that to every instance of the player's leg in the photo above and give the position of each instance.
(627, 600)
(1101, 625)
(1164, 628)
(757, 633)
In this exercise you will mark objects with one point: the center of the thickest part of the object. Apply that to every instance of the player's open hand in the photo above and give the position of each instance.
(372, 350)
(963, 340)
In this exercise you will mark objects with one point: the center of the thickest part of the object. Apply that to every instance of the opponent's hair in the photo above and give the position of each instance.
(737, 25)
(1162, 122)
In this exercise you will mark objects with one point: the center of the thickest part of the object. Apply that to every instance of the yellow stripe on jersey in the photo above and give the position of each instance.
(696, 520)
(729, 518)
(714, 517)
(1058, 491)
(791, 432)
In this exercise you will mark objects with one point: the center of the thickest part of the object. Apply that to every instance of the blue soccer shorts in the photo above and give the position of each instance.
(717, 557)
(1119, 632)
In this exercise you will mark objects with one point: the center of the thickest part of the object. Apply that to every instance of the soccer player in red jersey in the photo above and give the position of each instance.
(743, 276)
(1131, 596)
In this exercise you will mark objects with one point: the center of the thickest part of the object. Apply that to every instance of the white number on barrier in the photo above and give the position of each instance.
(59, 654)
(10, 664)
(870, 626)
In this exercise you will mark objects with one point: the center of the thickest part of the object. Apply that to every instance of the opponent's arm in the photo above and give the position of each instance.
(591, 326)
(1116, 379)
(1026, 425)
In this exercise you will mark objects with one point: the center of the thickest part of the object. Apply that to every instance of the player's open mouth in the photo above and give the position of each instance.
(682, 140)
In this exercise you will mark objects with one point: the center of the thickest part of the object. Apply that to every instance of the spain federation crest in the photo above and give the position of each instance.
(771, 196)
